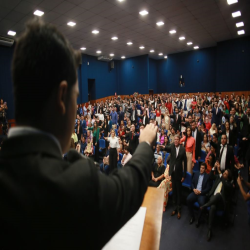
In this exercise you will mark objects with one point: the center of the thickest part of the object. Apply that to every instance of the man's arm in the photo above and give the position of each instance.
(246, 196)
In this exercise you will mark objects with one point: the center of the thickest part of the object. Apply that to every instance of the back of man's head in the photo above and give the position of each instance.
(43, 58)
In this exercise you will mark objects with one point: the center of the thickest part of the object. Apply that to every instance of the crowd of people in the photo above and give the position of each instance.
(209, 131)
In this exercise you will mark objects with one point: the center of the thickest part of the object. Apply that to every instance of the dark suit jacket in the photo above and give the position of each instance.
(136, 117)
(206, 183)
(246, 126)
(48, 203)
(216, 118)
(177, 122)
(146, 120)
(229, 156)
(232, 137)
(133, 141)
(227, 187)
(121, 117)
(177, 162)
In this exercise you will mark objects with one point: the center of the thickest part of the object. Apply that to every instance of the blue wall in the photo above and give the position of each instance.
(153, 75)
(198, 69)
(6, 90)
(133, 75)
(233, 65)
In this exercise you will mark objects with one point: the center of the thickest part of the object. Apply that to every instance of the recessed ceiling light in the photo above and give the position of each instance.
(120, 0)
(11, 33)
(165, 57)
(129, 43)
(196, 47)
(98, 52)
(95, 31)
(189, 43)
(151, 51)
(182, 38)
(38, 13)
(160, 23)
(111, 54)
(232, 1)
(83, 48)
(123, 57)
(241, 32)
(71, 24)
(160, 54)
(240, 24)
(143, 13)
(141, 47)
(236, 14)
(172, 31)
(114, 38)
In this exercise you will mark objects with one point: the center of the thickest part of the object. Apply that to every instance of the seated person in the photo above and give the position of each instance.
(157, 153)
(201, 185)
(104, 166)
(166, 184)
(157, 174)
(219, 195)
(210, 160)
(89, 148)
(246, 196)
(83, 145)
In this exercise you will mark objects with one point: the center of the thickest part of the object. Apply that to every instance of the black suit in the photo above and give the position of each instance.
(146, 120)
(232, 137)
(198, 141)
(216, 118)
(177, 121)
(134, 114)
(177, 172)
(133, 141)
(220, 201)
(48, 203)
(121, 117)
(229, 156)
(201, 198)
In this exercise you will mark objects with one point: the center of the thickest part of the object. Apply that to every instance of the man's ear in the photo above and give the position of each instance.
(62, 97)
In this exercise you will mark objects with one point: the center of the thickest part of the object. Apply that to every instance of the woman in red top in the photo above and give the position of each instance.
(189, 144)
(194, 103)
(169, 106)
(158, 115)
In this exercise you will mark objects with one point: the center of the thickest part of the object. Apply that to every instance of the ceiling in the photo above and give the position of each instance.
(203, 22)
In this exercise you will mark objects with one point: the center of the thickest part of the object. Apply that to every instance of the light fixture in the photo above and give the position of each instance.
(151, 51)
(143, 13)
(38, 13)
(160, 23)
(111, 54)
(83, 48)
(11, 33)
(71, 24)
(120, 0)
(129, 43)
(236, 14)
(189, 43)
(95, 31)
(232, 1)
(160, 54)
(241, 32)
(141, 47)
(182, 38)
(196, 47)
(114, 38)
(240, 24)
(123, 57)
(172, 31)
(98, 52)
(165, 57)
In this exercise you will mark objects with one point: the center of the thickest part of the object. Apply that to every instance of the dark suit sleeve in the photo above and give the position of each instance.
(231, 157)
(185, 164)
(167, 148)
(207, 186)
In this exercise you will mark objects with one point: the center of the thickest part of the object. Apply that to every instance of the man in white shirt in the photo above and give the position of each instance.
(126, 157)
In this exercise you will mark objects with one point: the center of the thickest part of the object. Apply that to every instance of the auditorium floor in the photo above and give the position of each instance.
(179, 234)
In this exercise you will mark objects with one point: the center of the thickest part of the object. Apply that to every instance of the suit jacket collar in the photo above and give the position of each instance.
(29, 144)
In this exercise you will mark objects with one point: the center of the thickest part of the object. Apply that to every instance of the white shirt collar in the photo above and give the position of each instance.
(21, 130)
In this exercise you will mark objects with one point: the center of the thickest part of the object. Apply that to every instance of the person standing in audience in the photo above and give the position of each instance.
(83, 145)
(79, 130)
(219, 195)
(216, 118)
(74, 136)
(96, 135)
(189, 145)
(201, 185)
(145, 119)
(205, 145)
(177, 171)
(121, 115)
(126, 157)
(113, 152)
(157, 174)
(198, 138)
(114, 117)
(133, 139)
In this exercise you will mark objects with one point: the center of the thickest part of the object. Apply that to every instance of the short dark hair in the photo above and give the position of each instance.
(204, 164)
(42, 59)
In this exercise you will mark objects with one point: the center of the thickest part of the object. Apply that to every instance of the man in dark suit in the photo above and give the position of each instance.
(46, 202)
(198, 139)
(134, 117)
(177, 170)
(219, 195)
(216, 118)
(177, 119)
(201, 185)
(121, 116)
(145, 119)
(133, 139)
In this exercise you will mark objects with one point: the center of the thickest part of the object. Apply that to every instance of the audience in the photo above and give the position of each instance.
(157, 174)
